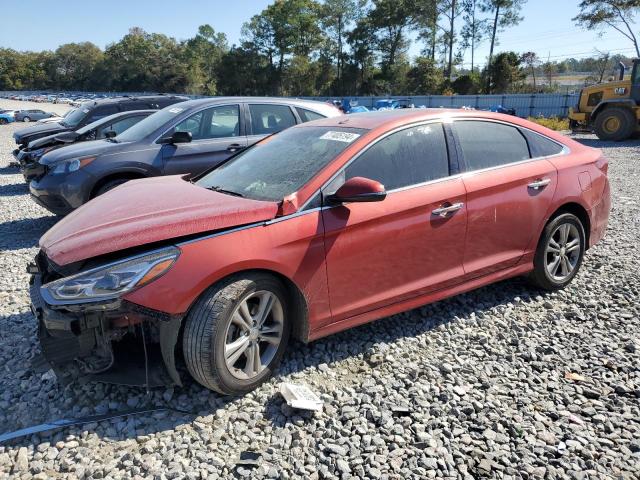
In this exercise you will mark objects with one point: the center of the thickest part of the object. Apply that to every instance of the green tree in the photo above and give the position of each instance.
(73, 66)
(504, 72)
(505, 13)
(203, 54)
(424, 77)
(617, 14)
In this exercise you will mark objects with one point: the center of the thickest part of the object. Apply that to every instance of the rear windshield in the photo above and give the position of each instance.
(150, 124)
(281, 164)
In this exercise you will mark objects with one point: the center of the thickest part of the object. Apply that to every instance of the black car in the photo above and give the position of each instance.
(104, 128)
(91, 111)
(186, 138)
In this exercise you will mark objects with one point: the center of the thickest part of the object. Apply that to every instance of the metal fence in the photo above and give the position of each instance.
(526, 105)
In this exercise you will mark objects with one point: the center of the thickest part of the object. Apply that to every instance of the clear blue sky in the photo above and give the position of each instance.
(44, 24)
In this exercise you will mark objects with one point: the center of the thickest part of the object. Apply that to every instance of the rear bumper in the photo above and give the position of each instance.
(600, 216)
(103, 342)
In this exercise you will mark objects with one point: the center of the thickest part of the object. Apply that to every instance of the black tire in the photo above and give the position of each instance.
(615, 123)
(110, 185)
(206, 332)
(543, 260)
(26, 119)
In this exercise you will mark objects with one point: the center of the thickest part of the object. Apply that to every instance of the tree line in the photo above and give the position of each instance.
(305, 48)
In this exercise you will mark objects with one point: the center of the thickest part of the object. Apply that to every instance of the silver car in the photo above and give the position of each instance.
(32, 115)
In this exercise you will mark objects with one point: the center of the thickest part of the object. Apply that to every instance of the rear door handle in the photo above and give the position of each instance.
(540, 183)
(234, 147)
(446, 209)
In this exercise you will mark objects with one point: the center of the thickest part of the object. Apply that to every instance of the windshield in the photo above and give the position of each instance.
(150, 124)
(280, 165)
(74, 118)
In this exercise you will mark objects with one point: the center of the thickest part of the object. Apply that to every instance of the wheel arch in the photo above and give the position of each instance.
(124, 174)
(628, 103)
(171, 334)
(580, 212)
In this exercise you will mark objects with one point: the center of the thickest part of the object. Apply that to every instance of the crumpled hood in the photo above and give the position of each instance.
(146, 211)
(54, 139)
(83, 149)
(40, 130)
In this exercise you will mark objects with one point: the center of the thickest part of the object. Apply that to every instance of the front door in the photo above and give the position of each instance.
(508, 194)
(384, 252)
(216, 134)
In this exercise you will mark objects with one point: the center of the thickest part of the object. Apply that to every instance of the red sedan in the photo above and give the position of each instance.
(319, 228)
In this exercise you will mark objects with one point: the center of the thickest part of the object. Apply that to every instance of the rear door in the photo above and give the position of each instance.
(385, 252)
(508, 193)
(267, 118)
(217, 132)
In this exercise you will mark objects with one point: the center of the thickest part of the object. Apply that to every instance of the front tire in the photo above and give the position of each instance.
(615, 124)
(237, 332)
(110, 185)
(560, 253)
(26, 119)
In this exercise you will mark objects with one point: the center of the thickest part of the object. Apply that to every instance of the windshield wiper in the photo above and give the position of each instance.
(222, 190)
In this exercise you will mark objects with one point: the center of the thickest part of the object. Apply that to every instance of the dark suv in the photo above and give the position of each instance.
(91, 111)
(186, 138)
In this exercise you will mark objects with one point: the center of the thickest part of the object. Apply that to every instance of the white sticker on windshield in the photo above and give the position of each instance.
(345, 137)
(85, 110)
(176, 110)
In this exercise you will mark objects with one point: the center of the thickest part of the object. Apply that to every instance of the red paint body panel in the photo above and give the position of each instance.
(505, 214)
(146, 211)
(380, 253)
(355, 262)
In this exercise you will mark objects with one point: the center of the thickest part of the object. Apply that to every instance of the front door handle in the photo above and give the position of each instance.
(540, 183)
(446, 209)
(234, 147)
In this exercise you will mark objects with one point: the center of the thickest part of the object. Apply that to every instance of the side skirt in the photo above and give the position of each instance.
(420, 301)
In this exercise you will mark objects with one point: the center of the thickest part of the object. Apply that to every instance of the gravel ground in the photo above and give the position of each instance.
(503, 382)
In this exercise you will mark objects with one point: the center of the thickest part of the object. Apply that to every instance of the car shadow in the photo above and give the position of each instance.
(24, 233)
(9, 170)
(14, 189)
(356, 342)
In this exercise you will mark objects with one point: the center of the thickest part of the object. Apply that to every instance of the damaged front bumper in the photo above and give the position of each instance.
(113, 342)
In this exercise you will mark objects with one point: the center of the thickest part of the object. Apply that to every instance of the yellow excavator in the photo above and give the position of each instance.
(611, 110)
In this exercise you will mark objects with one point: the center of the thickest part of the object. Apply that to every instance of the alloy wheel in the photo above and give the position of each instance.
(253, 334)
(563, 251)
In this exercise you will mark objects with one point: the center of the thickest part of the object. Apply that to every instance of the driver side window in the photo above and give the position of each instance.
(216, 122)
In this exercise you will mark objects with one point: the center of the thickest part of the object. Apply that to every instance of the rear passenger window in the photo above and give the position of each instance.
(489, 144)
(408, 157)
(308, 115)
(268, 119)
(541, 146)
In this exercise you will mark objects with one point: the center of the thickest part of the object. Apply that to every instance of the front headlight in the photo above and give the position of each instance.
(110, 281)
(68, 166)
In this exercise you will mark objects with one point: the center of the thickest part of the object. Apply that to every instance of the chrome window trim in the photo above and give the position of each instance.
(565, 149)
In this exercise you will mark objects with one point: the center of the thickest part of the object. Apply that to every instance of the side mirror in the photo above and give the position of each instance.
(109, 134)
(359, 189)
(178, 137)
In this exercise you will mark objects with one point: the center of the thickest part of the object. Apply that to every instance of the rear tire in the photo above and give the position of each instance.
(615, 123)
(559, 254)
(26, 119)
(225, 330)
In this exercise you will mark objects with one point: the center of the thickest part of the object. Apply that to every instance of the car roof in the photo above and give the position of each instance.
(296, 102)
(389, 119)
(107, 101)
